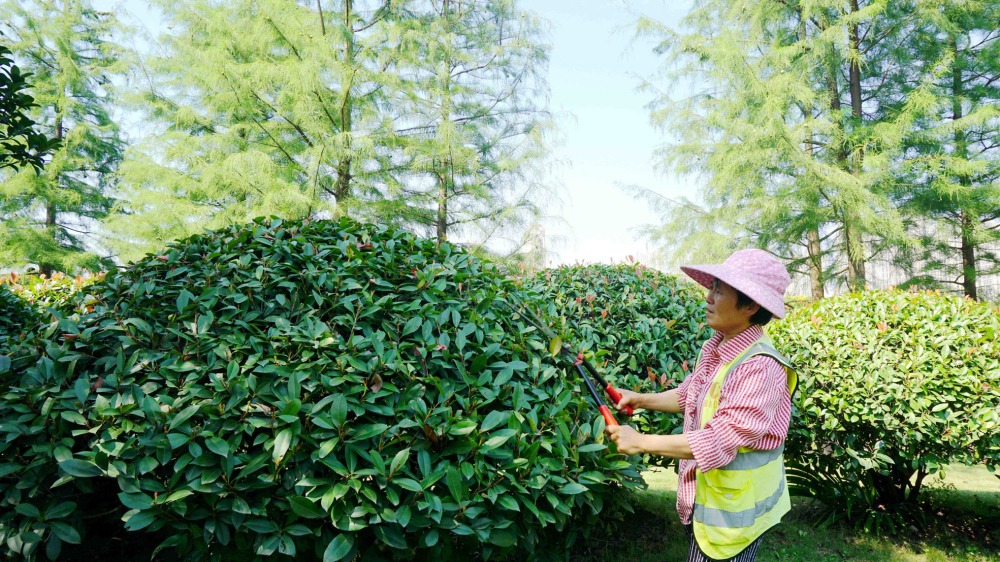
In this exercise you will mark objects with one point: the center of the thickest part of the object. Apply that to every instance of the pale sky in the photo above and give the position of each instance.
(594, 71)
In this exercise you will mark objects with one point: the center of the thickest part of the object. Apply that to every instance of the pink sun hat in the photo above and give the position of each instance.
(755, 273)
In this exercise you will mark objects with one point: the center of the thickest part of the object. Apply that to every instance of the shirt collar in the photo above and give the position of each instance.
(732, 348)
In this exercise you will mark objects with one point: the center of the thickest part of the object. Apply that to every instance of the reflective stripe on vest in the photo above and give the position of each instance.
(736, 503)
(745, 518)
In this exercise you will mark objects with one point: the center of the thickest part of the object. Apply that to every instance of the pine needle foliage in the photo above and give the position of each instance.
(423, 115)
(950, 190)
(49, 215)
(793, 124)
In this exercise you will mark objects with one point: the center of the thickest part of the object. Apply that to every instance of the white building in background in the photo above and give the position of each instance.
(884, 271)
(535, 247)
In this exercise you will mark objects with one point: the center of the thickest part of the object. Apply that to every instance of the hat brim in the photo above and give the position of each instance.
(704, 274)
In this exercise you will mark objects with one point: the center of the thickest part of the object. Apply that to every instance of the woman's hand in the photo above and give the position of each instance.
(628, 440)
(629, 398)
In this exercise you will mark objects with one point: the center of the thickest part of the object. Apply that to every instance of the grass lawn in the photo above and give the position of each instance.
(966, 529)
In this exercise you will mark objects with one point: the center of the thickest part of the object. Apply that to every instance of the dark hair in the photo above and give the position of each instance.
(761, 317)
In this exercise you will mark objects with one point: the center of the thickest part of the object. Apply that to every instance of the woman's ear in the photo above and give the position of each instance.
(750, 310)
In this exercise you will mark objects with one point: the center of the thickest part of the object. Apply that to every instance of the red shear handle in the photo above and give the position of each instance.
(617, 397)
(608, 418)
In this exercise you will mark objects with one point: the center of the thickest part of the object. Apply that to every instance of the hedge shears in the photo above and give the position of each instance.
(581, 363)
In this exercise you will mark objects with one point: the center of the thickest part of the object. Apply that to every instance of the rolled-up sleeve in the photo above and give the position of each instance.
(752, 397)
(682, 391)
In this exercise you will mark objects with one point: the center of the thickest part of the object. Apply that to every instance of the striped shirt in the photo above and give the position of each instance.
(754, 410)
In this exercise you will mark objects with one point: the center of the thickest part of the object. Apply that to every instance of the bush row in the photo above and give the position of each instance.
(317, 390)
(894, 386)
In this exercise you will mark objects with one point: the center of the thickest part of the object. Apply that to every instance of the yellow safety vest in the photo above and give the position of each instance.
(735, 504)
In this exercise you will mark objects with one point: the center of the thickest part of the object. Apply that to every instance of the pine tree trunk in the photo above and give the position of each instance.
(962, 151)
(443, 173)
(815, 264)
(343, 189)
(51, 211)
(442, 211)
(855, 256)
(968, 258)
(849, 234)
(814, 248)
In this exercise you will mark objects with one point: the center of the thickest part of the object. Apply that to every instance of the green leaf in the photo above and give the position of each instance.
(509, 502)
(261, 525)
(240, 505)
(339, 548)
(136, 501)
(178, 495)
(138, 520)
(139, 323)
(368, 431)
(82, 390)
(60, 510)
(494, 419)
(390, 536)
(183, 416)
(573, 488)
(73, 417)
(28, 510)
(555, 346)
(281, 444)
(183, 299)
(463, 427)
(478, 364)
(65, 532)
(80, 469)
(147, 464)
(304, 507)
(399, 460)
(292, 408)
(455, 484)
(53, 547)
(498, 440)
(217, 446)
(408, 484)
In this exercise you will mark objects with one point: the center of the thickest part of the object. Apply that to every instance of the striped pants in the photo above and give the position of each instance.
(696, 555)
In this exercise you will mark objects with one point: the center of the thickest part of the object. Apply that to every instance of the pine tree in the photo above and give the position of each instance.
(952, 188)
(417, 114)
(476, 135)
(801, 176)
(50, 216)
(265, 107)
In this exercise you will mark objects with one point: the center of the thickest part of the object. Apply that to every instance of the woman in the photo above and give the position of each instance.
(736, 406)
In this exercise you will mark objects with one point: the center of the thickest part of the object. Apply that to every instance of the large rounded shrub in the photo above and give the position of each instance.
(893, 385)
(644, 328)
(310, 390)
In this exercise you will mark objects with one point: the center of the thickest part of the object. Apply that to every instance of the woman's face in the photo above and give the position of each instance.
(721, 312)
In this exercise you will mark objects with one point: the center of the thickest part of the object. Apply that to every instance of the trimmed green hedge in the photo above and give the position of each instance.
(302, 389)
(893, 386)
(644, 328)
